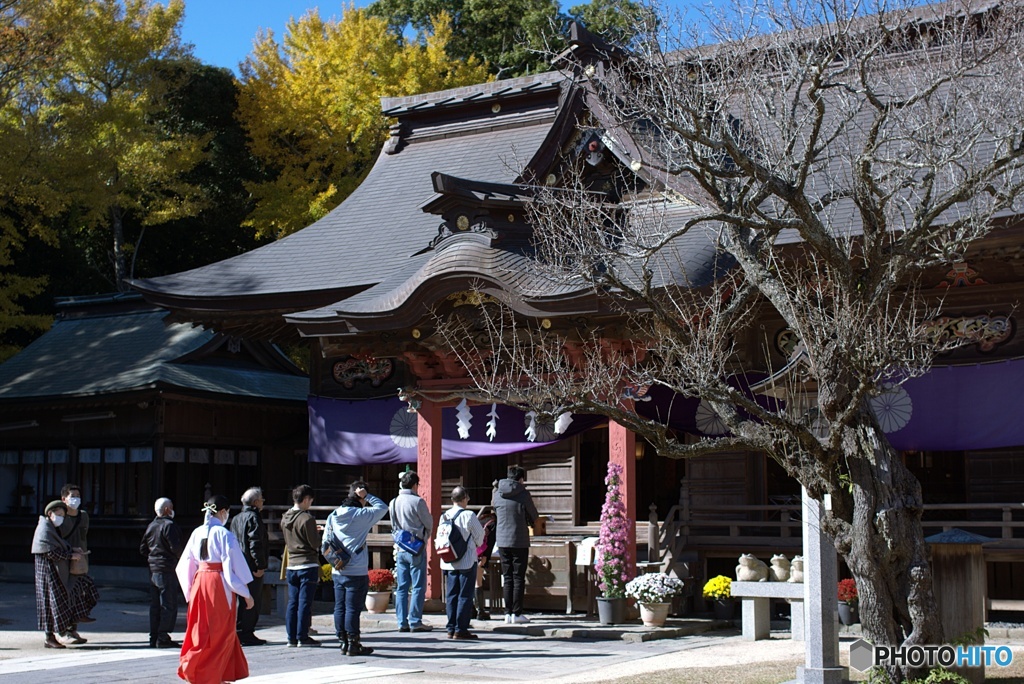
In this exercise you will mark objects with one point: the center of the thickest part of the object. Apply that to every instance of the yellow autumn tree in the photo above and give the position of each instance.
(104, 101)
(311, 106)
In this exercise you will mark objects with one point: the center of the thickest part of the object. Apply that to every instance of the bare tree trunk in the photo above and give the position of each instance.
(886, 551)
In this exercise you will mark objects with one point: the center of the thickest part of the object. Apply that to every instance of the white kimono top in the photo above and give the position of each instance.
(221, 547)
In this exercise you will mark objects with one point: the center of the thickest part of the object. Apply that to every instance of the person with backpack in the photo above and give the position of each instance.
(516, 511)
(348, 526)
(458, 535)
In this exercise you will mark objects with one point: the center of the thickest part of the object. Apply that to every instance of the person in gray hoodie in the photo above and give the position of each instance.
(409, 512)
(350, 524)
(516, 512)
(302, 542)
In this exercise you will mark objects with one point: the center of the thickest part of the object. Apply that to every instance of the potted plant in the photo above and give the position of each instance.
(325, 589)
(719, 590)
(653, 592)
(847, 594)
(610, 561)
(382, 581)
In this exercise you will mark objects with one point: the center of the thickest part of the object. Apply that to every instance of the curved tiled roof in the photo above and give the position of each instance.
(380, 225)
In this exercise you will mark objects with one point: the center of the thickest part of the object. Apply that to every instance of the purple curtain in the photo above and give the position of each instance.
(382, 431)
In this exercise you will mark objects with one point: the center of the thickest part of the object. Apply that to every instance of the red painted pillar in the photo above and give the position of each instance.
(428, 467)
(622, 450)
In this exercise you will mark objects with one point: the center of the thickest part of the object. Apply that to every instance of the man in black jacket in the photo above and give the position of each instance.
(251, 532)
(516, 512)
(162, 545)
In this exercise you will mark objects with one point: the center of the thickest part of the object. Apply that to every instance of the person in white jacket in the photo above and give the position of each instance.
(460, 574)
(211, 571)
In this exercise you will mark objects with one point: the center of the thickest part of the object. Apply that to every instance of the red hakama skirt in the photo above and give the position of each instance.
(210, 653)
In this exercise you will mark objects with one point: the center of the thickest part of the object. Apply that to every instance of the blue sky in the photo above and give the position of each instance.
(222, 31)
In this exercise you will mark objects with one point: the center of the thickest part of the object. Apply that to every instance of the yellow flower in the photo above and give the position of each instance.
(718, 588)
(325, 572)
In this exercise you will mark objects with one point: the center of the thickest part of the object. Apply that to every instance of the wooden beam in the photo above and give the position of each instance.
(428, 467)
(622, 450)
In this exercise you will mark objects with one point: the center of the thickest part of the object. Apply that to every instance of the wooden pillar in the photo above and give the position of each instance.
(622, 450)
(428, 467)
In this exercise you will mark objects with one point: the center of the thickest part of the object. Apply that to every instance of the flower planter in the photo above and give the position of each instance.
(611, 611)
(324, 592)
(654, 614)
(725, 609)
(848, 613)
(377, 601)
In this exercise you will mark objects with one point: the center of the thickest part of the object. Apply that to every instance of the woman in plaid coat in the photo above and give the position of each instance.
(54, 611)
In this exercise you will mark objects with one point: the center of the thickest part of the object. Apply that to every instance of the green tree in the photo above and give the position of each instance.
(514, 37)
(311, 107)
(102, 102)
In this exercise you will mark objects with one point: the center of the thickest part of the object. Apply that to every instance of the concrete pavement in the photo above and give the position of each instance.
(550, 647)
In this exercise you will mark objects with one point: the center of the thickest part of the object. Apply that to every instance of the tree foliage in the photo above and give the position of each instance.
(31, 33)
(311, 107)
(102, 100)
(825, 159)
(514, 37)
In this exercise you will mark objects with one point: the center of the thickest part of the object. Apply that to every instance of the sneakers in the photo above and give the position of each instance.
(508, 619)
(519, 620)
(168, 644)
(251, 640)
(293, 644)
(422, 628)
(308, 642)
(404, 628)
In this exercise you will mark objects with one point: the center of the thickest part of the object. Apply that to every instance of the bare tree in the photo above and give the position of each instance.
(820, 157)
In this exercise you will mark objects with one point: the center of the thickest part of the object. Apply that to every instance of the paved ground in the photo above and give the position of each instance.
(554, 648)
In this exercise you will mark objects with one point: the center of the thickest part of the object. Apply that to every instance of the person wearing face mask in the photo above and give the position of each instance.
(212, 570)
(54, 612)
(82, 588)
(162, 545)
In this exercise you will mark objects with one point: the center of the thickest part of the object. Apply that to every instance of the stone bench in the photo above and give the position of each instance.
(272, 582)
(757, 596)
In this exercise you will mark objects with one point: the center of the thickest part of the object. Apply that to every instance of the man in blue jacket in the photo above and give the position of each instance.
(350, 524)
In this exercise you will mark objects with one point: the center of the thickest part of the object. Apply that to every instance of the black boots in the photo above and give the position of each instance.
(344, 642)
(357, 649)
(481, 605)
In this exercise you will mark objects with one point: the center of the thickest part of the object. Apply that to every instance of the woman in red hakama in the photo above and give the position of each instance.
(211, 571)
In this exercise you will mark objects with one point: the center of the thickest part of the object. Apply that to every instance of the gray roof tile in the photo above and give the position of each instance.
(107, 354)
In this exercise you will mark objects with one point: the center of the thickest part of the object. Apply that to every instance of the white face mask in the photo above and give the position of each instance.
(74, 502)
(58, 520)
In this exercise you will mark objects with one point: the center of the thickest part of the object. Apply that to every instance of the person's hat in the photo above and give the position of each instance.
(54, 505)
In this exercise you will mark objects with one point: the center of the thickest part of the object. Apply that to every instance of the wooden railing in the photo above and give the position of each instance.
(686, 528)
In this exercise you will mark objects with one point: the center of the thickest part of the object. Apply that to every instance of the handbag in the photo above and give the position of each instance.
(336, 554)
(333, 550)
(407, 541)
